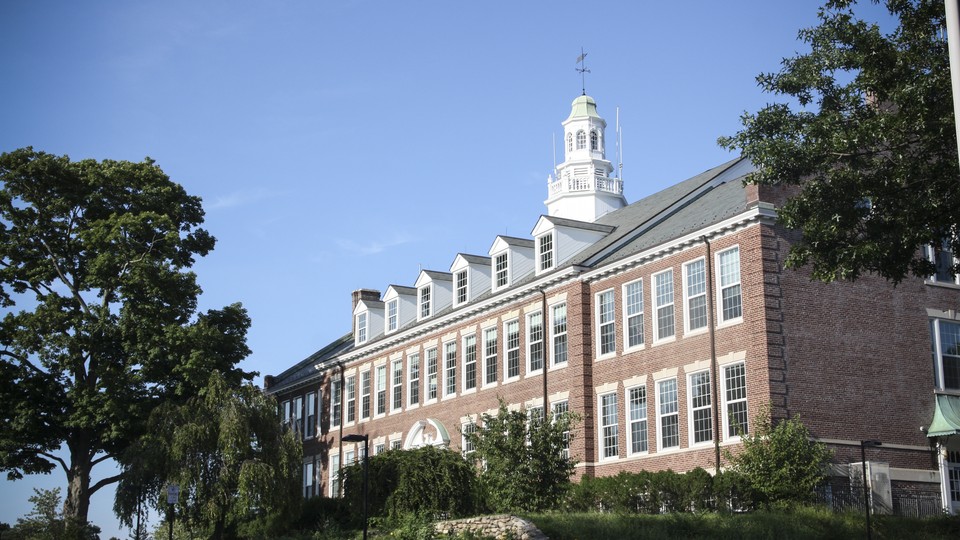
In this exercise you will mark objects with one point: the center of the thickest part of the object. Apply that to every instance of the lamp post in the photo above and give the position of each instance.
(355, 437)
(872, 443)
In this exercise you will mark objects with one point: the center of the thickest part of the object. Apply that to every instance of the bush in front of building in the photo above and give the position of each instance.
(428, 481)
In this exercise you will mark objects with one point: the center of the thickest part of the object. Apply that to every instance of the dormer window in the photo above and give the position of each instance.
(392, 318)
(461, 287)
(425, 309)
(502, 275)
(362, 328)
(581, 140)
(594, 141)
(545, 252)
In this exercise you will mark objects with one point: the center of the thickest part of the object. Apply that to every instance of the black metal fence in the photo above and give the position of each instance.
(842, 498)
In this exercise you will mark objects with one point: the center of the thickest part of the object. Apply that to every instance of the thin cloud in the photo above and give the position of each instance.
(242, 198)
(373, 247)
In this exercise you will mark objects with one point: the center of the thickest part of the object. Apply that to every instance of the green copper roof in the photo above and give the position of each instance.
(946, 417)
(583, 106)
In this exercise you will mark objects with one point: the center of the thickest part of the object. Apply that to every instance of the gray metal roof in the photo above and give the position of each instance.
(475, 259)
(437, 275)
(576, 224)
(304, 371)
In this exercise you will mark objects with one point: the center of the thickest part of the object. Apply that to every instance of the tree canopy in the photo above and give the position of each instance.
(864, 128)
(101, 323)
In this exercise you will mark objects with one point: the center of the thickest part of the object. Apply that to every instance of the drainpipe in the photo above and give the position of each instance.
(714, 375)
(342, 417)
(546, 340)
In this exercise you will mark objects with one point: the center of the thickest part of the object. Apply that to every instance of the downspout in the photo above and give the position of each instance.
(714, 375)
(342, 412)
(546, 356)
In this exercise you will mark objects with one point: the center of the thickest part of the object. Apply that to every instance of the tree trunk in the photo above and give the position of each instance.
(77, 503)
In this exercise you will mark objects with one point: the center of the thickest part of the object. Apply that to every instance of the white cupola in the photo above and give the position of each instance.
(583, 188)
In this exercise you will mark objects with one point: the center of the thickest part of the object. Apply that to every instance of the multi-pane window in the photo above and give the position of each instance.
(735, 399)
(310, 416)
(569, 142)
(413, 365)
(379, 449)
(637, 402)
(731, 302)
(362, 328)
(351, 399)
(392, 321)
(663, 283)
(581, 140)
(308, 477)
(610, 443)
(469, 362)
(945, 345)
(593, 140)
(467, 445)
(701, 415)
(545, 247)
(944, 260)
(396, 444)
(668, 416)
(606, 325)
(501, 275)
(365, 394)
(490, 356)
(397, 384)
(512, 331)
(297, 418)
(336, 405)
(450, 358)
(559, 333)
(381, 389)
(431, 374)
(535, 342)
(287, 411)
(560, 409)
(695, 290)
(424, 301)
(633, 294)
(335, 476)
(461, 284)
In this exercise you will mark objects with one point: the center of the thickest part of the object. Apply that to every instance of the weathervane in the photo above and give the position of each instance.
(582, 69)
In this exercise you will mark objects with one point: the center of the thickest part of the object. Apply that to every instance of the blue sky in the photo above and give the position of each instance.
(345, 145)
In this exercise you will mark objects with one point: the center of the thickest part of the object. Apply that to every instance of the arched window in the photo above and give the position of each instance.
(581, 140)
(569, 142)
(593, 140)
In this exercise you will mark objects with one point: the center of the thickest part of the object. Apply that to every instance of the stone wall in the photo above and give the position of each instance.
(500, 526)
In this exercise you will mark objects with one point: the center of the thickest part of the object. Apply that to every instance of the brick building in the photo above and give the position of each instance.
(666, 324)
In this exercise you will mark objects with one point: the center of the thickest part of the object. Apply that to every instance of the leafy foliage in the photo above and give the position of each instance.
(866, 130)
(95, 255)
(236, 465)
(425, 481)
(521, 459)
(781, 462)
(46, 522)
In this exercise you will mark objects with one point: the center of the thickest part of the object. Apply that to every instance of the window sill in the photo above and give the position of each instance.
(697, 332)
(731, 322)
(558, 367)
(511, 380)
(664, 341)
(635, 348)
(413, 406)
(468, 391)
(448, 397)
(606, 356)
(535, 373)
(488, 386)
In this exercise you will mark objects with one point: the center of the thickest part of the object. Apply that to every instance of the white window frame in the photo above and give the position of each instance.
(581, 139)
(559, 346)
(606, 319)
(727, 402)
(722, 286)
(309, 478)
(546, 252)
(633, 309)
(469, 384)
(396, 397)
(499, 272)
(945, 342)
(336, 403)
(297, 417)
(431, 393)
(562, 407)
(510, 347)
(366, 395)
(413, 380)
(662, 303)
(381, 382)
(361, 327)
(603, 424)
(535, 339)
(663, 414)
(287, 414)
(689, 297)
(461, 289)
(424, 301)
(945, 251)
(466, 447)
(310, 416)
(449, 369)
(334, 475)
(393, 315)
(490, 355)
(351, 393)
(637, 416)
(693, 408)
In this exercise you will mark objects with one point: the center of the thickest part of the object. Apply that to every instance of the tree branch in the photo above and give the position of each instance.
(63, 277)
(23, 360)
(52, 457)
(101, 459)
(105, 482)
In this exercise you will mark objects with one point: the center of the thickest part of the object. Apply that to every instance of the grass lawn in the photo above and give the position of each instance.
(780, 525)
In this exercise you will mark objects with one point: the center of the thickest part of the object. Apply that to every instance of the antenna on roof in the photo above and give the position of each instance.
(582, 69)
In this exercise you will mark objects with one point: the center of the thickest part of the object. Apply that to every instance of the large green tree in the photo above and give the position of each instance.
(863, 128)
(101, 323)
(237, 466)
(524, 463)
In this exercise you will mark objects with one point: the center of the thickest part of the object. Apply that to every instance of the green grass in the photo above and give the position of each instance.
(780, 525)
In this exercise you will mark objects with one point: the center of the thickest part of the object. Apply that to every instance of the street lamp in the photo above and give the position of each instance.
(872, 443)
(355, 437)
